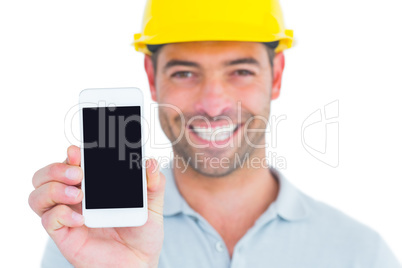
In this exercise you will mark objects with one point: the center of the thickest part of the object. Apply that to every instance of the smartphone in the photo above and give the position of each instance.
(112, 153)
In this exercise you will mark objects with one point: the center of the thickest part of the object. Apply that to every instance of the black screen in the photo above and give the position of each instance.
(112, 157)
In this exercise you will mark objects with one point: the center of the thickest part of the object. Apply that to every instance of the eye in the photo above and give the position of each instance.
(182, 74)
(244, 72)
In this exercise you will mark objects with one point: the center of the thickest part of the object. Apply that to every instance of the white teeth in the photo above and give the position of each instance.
(219, 133)
(205, 129)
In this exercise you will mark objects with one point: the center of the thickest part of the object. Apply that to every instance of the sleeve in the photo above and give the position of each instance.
(384, 257)
(53, 258)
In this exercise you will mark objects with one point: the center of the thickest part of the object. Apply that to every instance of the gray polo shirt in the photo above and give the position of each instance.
(296, 231)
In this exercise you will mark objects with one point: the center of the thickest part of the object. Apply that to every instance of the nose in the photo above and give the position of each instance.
(214, 98)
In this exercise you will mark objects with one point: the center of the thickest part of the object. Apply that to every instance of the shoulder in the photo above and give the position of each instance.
(325, 231)
(317, 218)
(333, 229)
(327, 216)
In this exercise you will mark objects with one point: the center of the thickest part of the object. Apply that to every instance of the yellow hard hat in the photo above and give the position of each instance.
(173, 21)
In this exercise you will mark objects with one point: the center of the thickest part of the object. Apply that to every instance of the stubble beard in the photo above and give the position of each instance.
(198, 161)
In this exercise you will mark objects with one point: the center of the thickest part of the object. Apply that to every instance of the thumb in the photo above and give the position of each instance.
(73, 156)
(156, 186)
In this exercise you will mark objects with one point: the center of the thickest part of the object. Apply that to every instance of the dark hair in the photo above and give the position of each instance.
(155, 49)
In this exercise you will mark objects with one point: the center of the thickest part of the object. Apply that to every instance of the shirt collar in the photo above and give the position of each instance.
(289, 204)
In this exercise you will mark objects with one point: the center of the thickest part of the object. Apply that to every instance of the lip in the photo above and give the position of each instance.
(200, 141)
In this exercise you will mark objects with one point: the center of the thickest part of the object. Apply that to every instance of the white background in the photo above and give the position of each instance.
(347, 50)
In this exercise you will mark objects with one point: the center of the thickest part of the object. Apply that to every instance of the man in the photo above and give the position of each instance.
(220, 63)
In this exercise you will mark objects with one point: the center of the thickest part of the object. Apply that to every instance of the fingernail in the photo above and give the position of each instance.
(72, 173)
(77, 217)
(72, 191)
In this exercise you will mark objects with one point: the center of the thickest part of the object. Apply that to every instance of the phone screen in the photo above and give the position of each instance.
(112, 157)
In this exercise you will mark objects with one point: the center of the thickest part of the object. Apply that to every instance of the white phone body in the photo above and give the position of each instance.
(113, 196)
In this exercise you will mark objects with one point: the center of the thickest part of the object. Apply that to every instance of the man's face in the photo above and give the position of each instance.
(214, 101)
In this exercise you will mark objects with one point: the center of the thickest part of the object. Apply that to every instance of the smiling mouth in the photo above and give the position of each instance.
(214, 133)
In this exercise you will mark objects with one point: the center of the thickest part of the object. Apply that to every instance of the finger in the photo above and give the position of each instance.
(156, 187)
(73, 156)
(153, 177)
(50, 194)
(61, 216)
(59, 172)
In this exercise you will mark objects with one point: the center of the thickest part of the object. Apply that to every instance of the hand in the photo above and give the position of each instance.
(57, 200)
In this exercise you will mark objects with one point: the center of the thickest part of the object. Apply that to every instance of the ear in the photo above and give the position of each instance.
(149, 69)
(279, 65)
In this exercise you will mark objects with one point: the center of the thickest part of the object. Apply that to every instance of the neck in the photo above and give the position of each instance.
(231, 203)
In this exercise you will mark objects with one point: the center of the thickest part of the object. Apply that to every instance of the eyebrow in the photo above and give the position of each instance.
(249, 60)
(174, 62)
